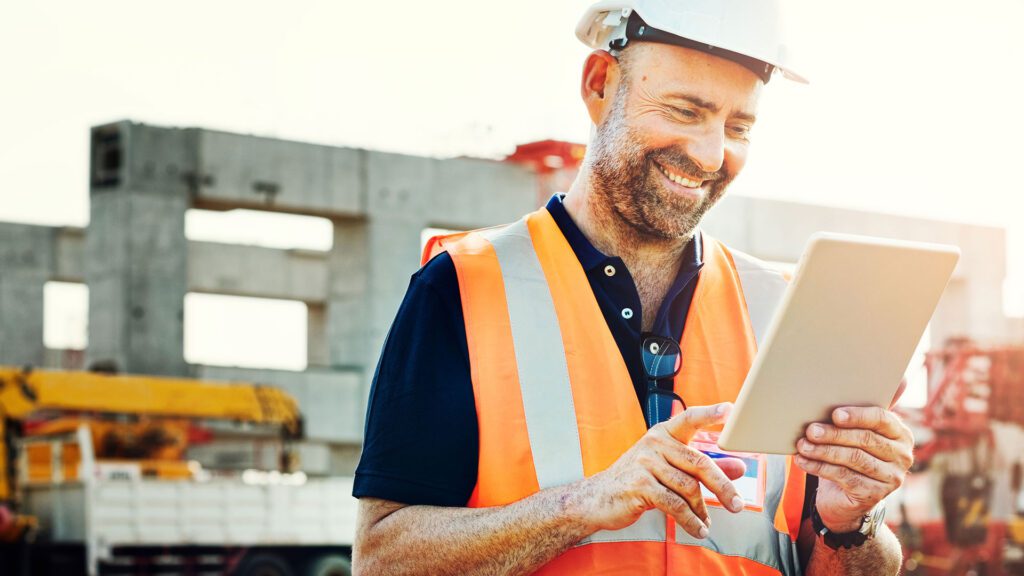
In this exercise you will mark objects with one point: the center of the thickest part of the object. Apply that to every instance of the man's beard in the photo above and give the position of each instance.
(626, 179)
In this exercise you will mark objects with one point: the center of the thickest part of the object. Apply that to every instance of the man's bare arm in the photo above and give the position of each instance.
(880, 556)
(514, 539)
(859, 459)
(660, 471)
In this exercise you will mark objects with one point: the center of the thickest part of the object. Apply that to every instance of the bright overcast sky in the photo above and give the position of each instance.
(914, 105)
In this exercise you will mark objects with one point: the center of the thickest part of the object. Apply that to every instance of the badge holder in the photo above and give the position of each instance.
(751, 486)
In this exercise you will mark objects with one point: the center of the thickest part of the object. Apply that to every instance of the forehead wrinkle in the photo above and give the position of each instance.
(645, 100)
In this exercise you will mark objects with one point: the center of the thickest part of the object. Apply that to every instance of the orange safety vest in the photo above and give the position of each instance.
(555, 402)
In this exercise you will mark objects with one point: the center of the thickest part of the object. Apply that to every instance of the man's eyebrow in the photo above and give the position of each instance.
(745, 116)
(695, 100)
(709, 106)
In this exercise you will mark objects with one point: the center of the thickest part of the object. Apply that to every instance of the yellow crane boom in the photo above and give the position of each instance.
(22, 393)
(27, 392)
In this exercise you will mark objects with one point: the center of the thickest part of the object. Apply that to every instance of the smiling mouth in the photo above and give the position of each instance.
(680, 179)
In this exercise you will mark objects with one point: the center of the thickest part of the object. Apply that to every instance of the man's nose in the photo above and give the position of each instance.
(708, 150)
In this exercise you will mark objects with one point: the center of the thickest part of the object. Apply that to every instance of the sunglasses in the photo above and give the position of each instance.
(662, 360)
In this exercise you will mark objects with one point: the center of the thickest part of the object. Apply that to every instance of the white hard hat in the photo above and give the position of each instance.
(746, 31)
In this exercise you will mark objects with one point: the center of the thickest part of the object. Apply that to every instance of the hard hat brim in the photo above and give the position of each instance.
(594, 28)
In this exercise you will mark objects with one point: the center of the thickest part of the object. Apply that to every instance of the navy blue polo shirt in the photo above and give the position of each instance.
(421, 440)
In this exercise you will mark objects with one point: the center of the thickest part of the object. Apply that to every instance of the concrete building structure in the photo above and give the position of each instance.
(139, 265)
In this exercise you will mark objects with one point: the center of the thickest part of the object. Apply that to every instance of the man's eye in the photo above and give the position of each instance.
(686, 113)
(740, 131)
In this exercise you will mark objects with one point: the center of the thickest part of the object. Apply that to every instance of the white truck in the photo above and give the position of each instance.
(112, 520)
(95, 480)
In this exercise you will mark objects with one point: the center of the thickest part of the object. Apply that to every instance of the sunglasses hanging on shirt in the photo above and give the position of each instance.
(662, 360)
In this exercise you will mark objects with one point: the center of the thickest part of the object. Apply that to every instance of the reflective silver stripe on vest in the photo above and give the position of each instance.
(752, 534)
(540, 359)
(650, 527)
(763, 289)
(544, 377)
(551, 417)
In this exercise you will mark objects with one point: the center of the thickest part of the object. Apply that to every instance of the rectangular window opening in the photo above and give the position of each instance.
(65, 315)
(260, 228)
(245, 332)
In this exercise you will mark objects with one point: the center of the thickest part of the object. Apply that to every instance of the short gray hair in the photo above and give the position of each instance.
(625, 57)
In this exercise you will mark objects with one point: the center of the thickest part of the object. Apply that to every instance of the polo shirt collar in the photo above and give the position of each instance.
(590, 257)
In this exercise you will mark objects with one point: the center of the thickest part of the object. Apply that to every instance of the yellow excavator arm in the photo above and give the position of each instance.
(22, 393)
(27, 392)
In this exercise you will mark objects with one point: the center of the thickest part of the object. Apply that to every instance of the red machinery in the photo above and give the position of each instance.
(970, 390)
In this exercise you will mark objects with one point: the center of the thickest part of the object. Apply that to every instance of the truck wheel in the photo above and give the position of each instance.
(329, 565)
(263, 564)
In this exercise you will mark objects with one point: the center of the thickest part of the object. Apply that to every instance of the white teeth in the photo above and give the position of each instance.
(679, 179)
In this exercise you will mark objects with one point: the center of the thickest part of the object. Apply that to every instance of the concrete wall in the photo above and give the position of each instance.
(135, 251)
(378, 202)
(69, 260)
(144, 178)
(27, 255)
(139, 265)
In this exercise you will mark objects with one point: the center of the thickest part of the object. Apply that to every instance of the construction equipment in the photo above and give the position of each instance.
(966, 482)
(95, 480)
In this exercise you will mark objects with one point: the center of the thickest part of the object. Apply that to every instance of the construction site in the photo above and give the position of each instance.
(124, 458)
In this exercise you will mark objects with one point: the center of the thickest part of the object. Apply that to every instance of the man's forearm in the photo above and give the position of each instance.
(882, 556)
(515, 539)
(660, 471)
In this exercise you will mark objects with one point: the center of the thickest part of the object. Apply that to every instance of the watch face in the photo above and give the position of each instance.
(873, 520)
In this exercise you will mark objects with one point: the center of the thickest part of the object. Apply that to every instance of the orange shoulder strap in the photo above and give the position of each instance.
(718, 344)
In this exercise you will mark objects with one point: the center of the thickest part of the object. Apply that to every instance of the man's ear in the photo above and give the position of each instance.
(601, 77)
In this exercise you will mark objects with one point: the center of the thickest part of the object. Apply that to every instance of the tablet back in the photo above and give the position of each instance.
(843, 336)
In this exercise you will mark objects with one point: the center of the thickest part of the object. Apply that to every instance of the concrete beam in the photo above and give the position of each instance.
(257, 271)
(217, 268)
(237, 170)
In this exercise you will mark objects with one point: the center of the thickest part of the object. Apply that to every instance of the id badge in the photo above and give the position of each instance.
(751, 486)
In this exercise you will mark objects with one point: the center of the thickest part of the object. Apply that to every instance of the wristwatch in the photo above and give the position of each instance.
(868, 528)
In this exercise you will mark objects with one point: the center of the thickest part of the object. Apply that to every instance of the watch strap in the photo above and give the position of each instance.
(853, 539)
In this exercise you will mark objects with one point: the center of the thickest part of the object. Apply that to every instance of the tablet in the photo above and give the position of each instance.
(843, 335)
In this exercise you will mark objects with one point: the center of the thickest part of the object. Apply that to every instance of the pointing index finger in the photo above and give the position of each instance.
(684, 425)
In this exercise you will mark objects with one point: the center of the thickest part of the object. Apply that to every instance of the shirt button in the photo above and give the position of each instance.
(627, 313)
(609, 270)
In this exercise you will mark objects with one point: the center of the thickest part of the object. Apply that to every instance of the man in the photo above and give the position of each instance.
(517, 422)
